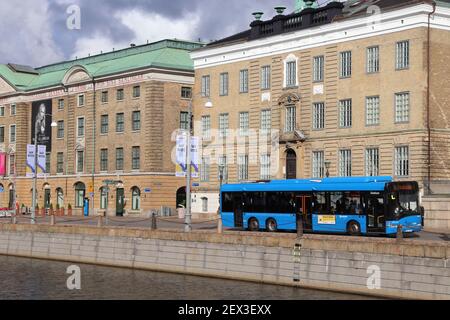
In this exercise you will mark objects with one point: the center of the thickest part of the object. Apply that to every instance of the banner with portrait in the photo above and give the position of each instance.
(41, 120)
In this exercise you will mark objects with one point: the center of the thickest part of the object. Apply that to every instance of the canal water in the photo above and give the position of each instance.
(30, 279)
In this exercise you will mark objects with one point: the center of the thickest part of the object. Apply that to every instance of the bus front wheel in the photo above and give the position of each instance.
(253, 225)
(353, 228)
(271, 225)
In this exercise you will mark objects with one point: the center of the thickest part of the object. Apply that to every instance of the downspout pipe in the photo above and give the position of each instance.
(429, 95)
(94, 132)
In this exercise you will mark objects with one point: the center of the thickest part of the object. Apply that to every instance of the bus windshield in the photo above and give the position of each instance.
(403, 199)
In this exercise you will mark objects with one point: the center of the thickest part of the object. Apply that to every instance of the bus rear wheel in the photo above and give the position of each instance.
(271, 225)
(353, 228)
(253, 225)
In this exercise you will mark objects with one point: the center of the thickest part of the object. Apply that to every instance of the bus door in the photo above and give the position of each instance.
(304, 208)
(376, 219)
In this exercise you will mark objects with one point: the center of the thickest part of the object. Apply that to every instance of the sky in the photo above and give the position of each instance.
(37, 33)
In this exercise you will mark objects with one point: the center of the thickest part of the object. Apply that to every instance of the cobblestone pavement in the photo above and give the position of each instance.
(173, 223)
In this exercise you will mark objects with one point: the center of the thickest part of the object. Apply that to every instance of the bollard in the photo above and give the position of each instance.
(299, 226)
(154, 221)
(400, 232)
(14, 219)
(100, 221)
(220, 225)
(52, 220)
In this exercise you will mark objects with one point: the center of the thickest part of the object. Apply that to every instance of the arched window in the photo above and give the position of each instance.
(205, 204)
(103, 198)
(60, 198)
(136, 199)
(80, 192)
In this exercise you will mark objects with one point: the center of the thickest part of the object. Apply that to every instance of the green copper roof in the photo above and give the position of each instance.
(170, 54)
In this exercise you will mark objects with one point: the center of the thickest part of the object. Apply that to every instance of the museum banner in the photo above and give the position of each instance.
(41, 120)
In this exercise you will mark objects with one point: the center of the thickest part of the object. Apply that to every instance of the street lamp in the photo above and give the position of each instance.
(36, 131)
(327, 167)
(188, 215)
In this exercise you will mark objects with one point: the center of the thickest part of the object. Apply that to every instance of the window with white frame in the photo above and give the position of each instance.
(80, 127)
(345, 64)
(2, 111)
(265, 78)
(104, 160)
(402, 55)
(244, 124)
(318, 116)
(12, 133)
(2, 134)
(119, 159)
(345, 113)
(136, 120)
(243, 167)
(13, 109)
(223, 162)
(243, 81)
(291, 119)
(120, 94)
(103, 198)
(318, 68)
(136, 158)
(265, 167)
(372, 162)
(291, 73)
(223, 125)
(345, 163)
(373, 111)
(80, 161)
(223, 85)
(60, 130)
(136, 91)
(318, 164)
(373, 59)
(104, 124)
(402, 161)
(136, 199)
(204, 204)
(105, 96)
(60, 162)
(61, 104)
(81, 101)
(206, 86)
(205, 169)
(266, 121)
(402, 107)
(120, 122)
(206, 127)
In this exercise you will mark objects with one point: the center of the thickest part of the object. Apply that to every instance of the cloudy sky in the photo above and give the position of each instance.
(35, 32)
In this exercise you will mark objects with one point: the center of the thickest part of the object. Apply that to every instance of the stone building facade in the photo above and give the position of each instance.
(116, 114)
(343, 92)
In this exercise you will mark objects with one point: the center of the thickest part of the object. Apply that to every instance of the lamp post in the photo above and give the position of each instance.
(327, 167)
(188, 215)
(36, 130)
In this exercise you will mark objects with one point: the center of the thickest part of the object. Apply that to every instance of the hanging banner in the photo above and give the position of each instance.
(42, 158)
(41, 121)
(2, 164)
(181, 156)
(195, 165)
(30, 161)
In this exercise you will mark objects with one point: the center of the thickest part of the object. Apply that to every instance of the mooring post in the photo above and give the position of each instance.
(52, 220)
(220, 225)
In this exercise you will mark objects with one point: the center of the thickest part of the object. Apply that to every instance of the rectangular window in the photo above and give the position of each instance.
(373, 59)
(345, 64)
(104, 126)
(223, 85)
(12, 133)
(136, 118)
(48, 163)
(206, 127)
(136, 92)
(184, 121)
(372, 162)
(80, 161)
(244, 124)
(136, 158)
(12, 164)
(80, 127)
(345, 163)
(265, 167)
(120, 94)
(402, 161)
(2, 134)
(243, 81)
(186, 92)
(60, 163)
(243, 167)
(104, 160)
(372, 111)
(119, 159)
(205, 169)
(266, 121)
(12, 109)
(291, 119)
(402, 55)
(204, 204)
(345, 113)
(81, 100)
(265, 78)
(291, 74)
(206, 86)
(120, 122)
(105, 97)
(318, 164)
(318, 116)
(223, 125)
(318, 66)
(61, 104)
(2, 111)
(402, 107)
(223, 163)
(60, 131)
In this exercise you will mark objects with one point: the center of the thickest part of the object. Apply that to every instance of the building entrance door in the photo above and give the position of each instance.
(291, 164)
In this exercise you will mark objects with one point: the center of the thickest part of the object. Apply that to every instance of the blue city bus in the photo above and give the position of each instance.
(355, 206)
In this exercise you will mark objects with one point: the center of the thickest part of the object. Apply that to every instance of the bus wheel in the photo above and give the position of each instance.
(271, 225)
(253, 225)
(354, 228)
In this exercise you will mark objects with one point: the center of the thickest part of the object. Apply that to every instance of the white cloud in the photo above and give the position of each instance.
(26, 32)
(146, 27)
